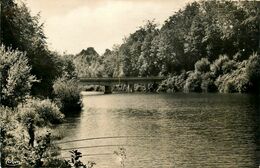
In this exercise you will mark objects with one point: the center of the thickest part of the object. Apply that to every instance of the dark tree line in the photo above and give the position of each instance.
(27, 66)
(24, 32)
(209, 30)
(204, 29)
(30, 74)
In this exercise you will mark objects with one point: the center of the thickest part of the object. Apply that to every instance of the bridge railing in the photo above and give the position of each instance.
(122, 79)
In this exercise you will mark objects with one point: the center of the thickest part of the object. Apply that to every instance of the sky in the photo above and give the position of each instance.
(73, 25)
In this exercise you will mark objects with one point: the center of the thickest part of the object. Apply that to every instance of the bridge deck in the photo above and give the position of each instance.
(122, 80)
(130, 81)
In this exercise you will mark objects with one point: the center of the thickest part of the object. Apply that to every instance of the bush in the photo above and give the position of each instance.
(253, 71)
(16, 79)
(67, 93)
(242, 79)
(225, 84)
(140, 88)
(202, 65)
(222, 65)
(235, 81)
(11, 136)
(43, 112)
(57, 162)
(207, 84)
(193, 82)
(174, 83)
(14, 143)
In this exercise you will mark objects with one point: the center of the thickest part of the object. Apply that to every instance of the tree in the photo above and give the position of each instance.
(88, 63)
(16, 77)
(24, 32)
(113, 62)
(67, 94)
(174, 39)
(130, 52)
(147, 60)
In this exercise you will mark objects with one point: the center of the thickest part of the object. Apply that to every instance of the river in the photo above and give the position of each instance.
(167, 130)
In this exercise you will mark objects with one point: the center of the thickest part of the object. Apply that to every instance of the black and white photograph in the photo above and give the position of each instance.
(129, 84)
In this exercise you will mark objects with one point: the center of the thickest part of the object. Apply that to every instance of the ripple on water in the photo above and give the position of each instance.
(179, 130)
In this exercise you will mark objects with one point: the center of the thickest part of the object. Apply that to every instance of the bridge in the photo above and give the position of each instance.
(130, 81)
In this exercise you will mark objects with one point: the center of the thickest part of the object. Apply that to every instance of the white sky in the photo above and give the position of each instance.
(73, 25)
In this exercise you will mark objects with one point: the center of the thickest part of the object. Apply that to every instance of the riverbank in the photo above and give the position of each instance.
(223, 75)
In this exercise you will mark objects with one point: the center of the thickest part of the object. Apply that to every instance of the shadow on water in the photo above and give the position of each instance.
(203, 130)
(73, 114)
(255, 99)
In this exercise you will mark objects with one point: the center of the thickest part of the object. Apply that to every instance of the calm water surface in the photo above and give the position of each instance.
(176, 130)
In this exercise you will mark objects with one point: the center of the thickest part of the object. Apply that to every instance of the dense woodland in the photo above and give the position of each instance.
(207, 46)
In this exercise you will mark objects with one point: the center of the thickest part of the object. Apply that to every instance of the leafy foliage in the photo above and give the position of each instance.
(174, 83)
(253, 70)
(112, 62)
(43, 112)
(87, 63)
(210, 31)
(24, 32)
(75, 160)
(202, 65)
(14, 146)
(193, 82)
(208, 83)
(208, 39)
(222, 65)
(67, 94)
(16, 80)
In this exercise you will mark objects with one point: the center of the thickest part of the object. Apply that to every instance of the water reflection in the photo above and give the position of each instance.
(180, 130)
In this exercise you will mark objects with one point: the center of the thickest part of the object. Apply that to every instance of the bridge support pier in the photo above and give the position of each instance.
(147, 87)
(108, 89)
(127, 81)
(131, 88)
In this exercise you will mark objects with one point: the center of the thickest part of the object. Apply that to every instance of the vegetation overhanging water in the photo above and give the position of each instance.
(208, 46)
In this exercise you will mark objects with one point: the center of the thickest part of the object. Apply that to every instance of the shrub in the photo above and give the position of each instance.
(11, 137)
(207, 84)
(6, 115)
(253, 71)
(67, 93)
(174, 83)
(163, 86)
(56, 162)
(202, 65)
(139, 88)
(193, 82)
(225, 84)
(16, 79)
(43, 112)
(242, 79)
(222, 65)
(14, 144)
(235, 81)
